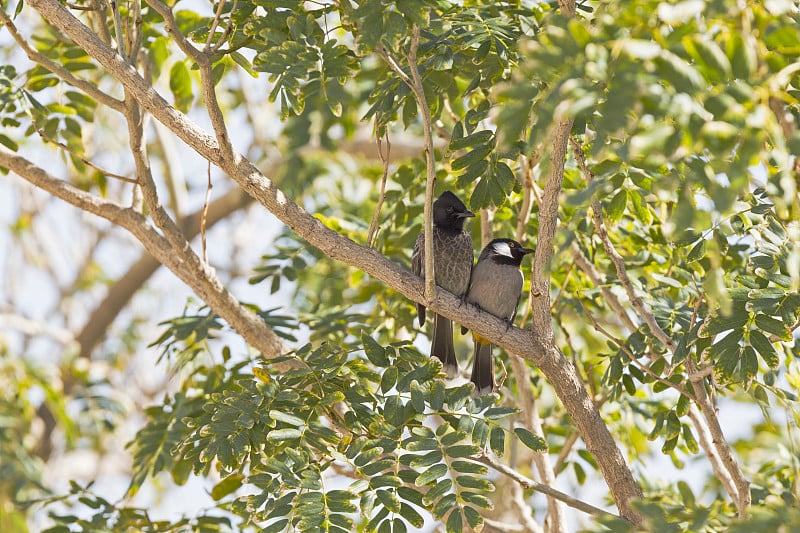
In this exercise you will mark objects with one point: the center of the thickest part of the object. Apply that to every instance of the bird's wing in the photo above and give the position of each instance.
(417, 267)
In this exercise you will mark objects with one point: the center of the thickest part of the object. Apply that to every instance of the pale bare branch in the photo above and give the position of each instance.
(526, 482)
(373, 225)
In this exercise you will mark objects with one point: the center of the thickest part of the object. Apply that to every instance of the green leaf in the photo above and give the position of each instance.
(286, 418)
(439, 490)
(280, 435)
(773, 326)
(530, 440)
(474, 519)
(765, 348)
(431, 474)
(454, 522)
(411, 515)
(481, 137)
(417, 397)
(697, 252)
(374, 351)
(227, 486)
(180, 83)
(462, 450)
(681, 74)
(474, 482)
(497, 440)
(616, 207)
(471, 157)
(276, 527)
(9, 143)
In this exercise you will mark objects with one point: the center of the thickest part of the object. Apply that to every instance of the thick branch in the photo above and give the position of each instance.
(548, 223)
(542, 352)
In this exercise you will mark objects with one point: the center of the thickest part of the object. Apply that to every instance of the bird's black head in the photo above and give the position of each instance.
(449, 212)
(506, 251)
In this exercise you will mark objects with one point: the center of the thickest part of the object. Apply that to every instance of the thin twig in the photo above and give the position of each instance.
(35, 328)
(118, 33)
(528, 483)
(524, 510)
(414, 82)
(136, 35)
(214, 24)
(566, 448)
(430, 163)
(591, 272)
(373, 225)
(707, 443)
(616, 258)
(82, 158)
(528, 164)
(742, 495)
(203, 61)
(204, 215)
(227, 31)
(487, 233)
(624, 349)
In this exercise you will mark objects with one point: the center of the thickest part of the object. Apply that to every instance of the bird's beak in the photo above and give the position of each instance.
(526, 251)
(466, 214)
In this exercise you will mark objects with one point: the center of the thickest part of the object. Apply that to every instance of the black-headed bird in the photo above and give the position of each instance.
(452, 264)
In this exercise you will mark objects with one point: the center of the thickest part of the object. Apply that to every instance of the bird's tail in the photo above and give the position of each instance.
(483, 367)
(442, 345)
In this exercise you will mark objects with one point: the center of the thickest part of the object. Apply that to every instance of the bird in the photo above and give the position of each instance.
(496, 287)
(452, 264)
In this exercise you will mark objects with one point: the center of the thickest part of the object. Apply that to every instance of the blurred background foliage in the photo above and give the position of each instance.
(684, 133)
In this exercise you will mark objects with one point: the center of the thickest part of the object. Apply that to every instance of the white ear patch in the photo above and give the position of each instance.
(502, 248)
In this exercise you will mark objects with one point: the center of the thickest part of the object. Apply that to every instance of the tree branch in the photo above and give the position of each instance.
(742, 495)
(430, 163)
(203, 61)
(707, 443)
(591, 272)
(724, 450)
(616, 258)
(373, 225)
(202, 281)
(414, 83)
(528, 483)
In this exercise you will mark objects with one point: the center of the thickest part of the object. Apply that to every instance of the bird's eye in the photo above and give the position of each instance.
(450, 209)
(512, 244)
